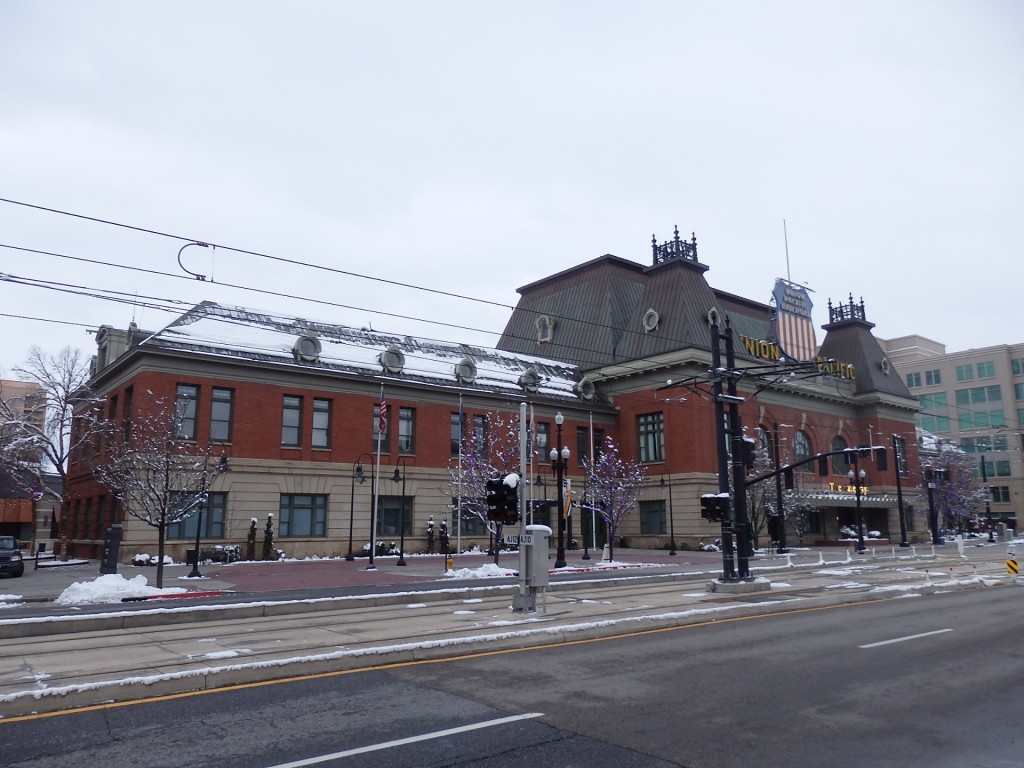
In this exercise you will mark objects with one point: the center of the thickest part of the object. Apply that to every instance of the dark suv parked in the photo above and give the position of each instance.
(10, 556)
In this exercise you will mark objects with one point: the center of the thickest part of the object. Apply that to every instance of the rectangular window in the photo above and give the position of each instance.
(385, 436)
(212, 524)
(291, 420)
(935, 424)
(406, 430)
(913, 380)
(479, 435)
(186, 403)
(652, 517)
(302, 515)
(650, 429)
(933, 377)
(389, 516)
(321, 423)
(542, 442)
(965, 373)
(1001, 468)
(222, 403)
(1018, 391)
(987, 370)
(1017, 366)
(456, 434)
(582, 446)
(473, 526)
(1000, 494)
(1020, 416)
(126, 416)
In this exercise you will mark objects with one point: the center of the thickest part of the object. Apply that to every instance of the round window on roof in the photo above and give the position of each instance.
(307, 349)
(530, 380)
(586, 389)
(650, 320)
(465, 371)
(392, 360)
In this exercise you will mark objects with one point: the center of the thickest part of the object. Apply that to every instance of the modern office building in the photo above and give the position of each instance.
(621, 349)
(974, 398)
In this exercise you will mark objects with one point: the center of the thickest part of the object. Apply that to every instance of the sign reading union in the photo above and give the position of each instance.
(769, 350)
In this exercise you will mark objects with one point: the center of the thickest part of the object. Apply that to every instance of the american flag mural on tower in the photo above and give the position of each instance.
(793, 325)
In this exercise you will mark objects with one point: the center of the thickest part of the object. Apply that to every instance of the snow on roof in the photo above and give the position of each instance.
(248, 334)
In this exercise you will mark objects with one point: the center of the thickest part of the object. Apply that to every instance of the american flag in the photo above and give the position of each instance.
(794, 327)
(382, 426)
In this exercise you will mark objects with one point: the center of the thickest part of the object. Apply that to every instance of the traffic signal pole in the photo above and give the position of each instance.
(718, 373)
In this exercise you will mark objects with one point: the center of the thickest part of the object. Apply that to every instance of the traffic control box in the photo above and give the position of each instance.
(536, 544)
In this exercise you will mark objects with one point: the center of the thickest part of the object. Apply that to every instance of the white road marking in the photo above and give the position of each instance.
(408, 740)
(908, 637)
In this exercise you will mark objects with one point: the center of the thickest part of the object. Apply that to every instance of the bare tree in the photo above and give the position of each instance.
(958, 496)
(39, 436)
(614, 487)
(494, 452)
(157, 477)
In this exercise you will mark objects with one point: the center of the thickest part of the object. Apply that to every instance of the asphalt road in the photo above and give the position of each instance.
(911, 682)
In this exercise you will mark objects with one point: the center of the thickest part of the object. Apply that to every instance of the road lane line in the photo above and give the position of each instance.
(902, 639)
(409, 740)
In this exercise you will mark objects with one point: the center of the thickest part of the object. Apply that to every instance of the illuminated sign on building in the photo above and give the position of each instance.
(769, 350)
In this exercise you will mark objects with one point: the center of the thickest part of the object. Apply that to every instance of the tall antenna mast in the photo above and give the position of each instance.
(785, 239)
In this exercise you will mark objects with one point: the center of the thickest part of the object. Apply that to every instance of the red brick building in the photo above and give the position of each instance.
(294, 405)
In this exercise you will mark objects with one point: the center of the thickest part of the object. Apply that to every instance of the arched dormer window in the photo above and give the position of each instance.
(545, 329)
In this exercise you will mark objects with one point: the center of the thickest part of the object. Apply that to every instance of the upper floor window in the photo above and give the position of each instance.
(406, 430)
(321, 422)
(1018, 391)
(1017, 366)
(186, 403)
(291, 420)
(802, 449)
(456, 433)
(650, 429)
(541, 441)
(840, 462)
(222, 403)
(913, 380)
(479, 434)
(933, 377)
(1000, 494)
(965, 372)
(987, 370)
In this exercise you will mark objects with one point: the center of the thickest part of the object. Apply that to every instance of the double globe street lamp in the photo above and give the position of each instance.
(559, 463)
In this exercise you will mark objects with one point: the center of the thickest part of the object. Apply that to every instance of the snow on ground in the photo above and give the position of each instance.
(110, 588)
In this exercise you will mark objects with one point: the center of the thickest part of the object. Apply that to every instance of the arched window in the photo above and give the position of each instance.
(802, 449)
(765, 440)
(840, 464)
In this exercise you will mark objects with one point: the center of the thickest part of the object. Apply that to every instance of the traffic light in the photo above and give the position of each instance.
(511, 506)
(495, 499)
(787, 478)
(714, 507)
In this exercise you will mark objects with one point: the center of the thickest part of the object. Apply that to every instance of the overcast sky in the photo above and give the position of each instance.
(475, 147)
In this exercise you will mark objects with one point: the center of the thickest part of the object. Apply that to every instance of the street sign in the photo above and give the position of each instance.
(514, 538)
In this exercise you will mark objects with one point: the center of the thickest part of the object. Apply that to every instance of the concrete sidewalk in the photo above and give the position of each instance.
(178, 646)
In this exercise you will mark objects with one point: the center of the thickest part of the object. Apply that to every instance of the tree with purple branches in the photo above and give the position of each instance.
(490, 450)
(613, 487)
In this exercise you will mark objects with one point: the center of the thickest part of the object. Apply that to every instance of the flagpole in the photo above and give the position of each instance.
(381, 424)
(590, 461)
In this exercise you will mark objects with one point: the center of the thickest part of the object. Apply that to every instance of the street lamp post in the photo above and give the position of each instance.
(401, 515)
(857, 475)
(559, 463)
(357, 474)
(988, 496)
(222, 466)
(671, 521)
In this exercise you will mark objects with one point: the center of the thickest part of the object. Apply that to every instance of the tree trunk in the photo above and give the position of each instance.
(161, 537)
